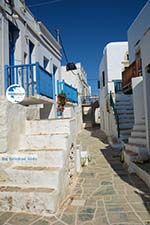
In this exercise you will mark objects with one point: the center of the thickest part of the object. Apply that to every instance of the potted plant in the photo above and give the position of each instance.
(61, 102)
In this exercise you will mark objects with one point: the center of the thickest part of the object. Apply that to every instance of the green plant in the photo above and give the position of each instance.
(61, 101)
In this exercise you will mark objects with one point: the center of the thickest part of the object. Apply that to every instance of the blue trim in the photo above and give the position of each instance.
(16, 76)
(54, 81)
(32, 78)
(22, 78)
(27, 81)
(37, 78)
(71, 92)
(24, 75)
(45, 83)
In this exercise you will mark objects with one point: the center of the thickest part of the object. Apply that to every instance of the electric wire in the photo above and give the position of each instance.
(61, 43)
(45, 3)
(66, 58)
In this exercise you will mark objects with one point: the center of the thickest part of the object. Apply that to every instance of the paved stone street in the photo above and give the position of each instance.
(104, 193)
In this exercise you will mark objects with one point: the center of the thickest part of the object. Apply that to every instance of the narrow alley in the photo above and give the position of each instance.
(104, 193)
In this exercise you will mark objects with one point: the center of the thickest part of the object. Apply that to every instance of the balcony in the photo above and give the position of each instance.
(37, 82)
(134, 70)
(71, 92)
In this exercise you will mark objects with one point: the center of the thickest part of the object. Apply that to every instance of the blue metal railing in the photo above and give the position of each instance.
(71, 92)
(32, 77)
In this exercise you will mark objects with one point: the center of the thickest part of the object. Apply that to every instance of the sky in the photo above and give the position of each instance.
(86, 26)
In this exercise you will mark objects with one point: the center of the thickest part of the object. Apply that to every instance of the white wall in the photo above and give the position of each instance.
(138, 30)
(77, 78)
(138, 99)
(12, 125)
(115, 53)
(111, 64)
(139, 39)
(4, 56)
(44, 43)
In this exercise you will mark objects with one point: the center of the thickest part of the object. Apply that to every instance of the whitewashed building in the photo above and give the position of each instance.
(138, 148)
(24, 41)
(113, 118)
(38, 155)
(78, 79)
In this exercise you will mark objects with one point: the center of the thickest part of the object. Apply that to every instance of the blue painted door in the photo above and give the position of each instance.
(45, 83)
(13, 35)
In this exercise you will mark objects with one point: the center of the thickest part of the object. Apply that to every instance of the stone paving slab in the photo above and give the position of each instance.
(105, 194)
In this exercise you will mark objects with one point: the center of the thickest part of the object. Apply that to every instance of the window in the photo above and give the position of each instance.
(25, 58)
(45, 62)
(54, 69)
(98, 84)
(103, 79)
(118, 86)
(31, 47)
(127, 56)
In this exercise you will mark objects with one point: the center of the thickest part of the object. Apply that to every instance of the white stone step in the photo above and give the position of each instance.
(126, 120)
(41, 157)
(137, 140)
(125, 116)
(47, 126)
(136, 148)
(140, 134)
(122, 97)
(130, 156)
(127, 107)
(140, 156)
(125, 132)
(37, 200)
(125, 126)
(125, 111)
(123, 104)
(124, 137)
(139, 127)
(36, 176)
(44, 141)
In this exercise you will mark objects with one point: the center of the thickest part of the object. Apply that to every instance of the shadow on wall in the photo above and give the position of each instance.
(45, 111)
(113, 158)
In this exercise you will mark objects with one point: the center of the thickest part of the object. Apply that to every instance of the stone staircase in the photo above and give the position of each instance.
(135, 149)
(40, 173)
(124, 107)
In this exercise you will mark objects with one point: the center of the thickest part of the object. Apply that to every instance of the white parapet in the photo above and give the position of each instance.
(44, 141)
